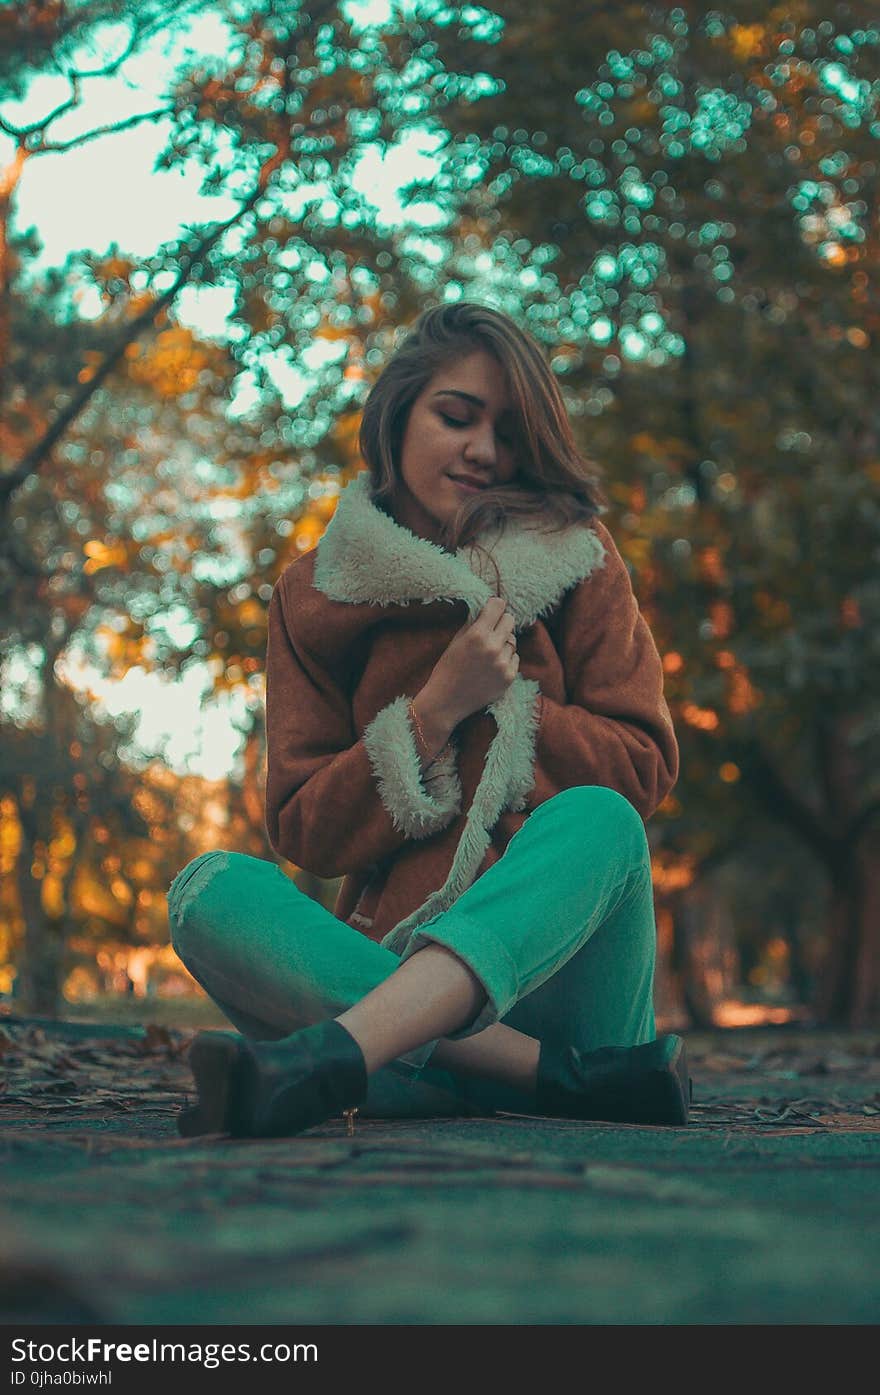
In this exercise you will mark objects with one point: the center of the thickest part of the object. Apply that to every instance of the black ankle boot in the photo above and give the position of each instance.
(271, 1089)
(647, 1084)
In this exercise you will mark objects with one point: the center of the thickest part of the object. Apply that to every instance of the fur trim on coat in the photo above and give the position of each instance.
(348, 649)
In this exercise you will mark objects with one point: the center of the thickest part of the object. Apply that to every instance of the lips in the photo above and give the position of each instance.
(469, 482)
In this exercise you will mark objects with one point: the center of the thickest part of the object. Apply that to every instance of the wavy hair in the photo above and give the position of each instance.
(554, 481)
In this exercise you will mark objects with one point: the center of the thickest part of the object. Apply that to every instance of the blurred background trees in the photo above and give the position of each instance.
(681, 206)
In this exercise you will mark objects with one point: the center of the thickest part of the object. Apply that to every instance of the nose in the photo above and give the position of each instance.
(480, 448)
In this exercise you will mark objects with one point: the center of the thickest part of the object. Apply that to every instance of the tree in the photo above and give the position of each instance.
(705, 282)
(95, 555)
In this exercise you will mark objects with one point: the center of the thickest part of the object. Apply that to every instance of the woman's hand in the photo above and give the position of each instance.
(477, 667)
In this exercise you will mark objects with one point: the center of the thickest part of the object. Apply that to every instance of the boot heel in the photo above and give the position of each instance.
(219, 1066)
(645, 1084)
(272, 1089)
(679, 1085)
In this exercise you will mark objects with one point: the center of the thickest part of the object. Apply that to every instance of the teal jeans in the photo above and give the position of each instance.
(560, 933)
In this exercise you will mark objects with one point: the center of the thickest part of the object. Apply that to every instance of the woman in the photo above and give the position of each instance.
(472, 734)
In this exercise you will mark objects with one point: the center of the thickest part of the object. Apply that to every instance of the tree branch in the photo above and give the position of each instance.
(137, 33)
(144, 29)
(37, 454)
(58, 147)
(140, 31)
(22, 132)
(860, 823)
(779, 800)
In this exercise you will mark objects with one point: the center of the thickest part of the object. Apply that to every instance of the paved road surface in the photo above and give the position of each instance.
(764, 1210)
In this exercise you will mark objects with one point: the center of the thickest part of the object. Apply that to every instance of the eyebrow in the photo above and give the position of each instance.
(469, 397)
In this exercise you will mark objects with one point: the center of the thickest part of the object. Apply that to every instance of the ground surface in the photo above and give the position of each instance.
(763, 1210)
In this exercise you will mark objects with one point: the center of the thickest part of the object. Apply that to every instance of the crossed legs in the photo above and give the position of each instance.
(514, 962)
(432, 993)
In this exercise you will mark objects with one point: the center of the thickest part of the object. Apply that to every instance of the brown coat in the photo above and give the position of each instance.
(355, 628)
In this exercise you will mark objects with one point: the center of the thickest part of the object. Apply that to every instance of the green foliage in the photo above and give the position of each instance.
(680, 204)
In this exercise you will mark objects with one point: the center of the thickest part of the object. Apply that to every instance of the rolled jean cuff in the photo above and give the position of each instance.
(413, 1062)
(478, 948)
(188, 881)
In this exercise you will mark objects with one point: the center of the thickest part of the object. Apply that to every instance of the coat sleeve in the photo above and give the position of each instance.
(336, 802)
(616, 728)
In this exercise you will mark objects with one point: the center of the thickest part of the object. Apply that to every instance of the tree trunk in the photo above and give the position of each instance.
(842, 834)
(684, 970)
(849, 989)
(38, 986)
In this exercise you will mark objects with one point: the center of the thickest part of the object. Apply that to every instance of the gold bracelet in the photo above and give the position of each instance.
(421, 735)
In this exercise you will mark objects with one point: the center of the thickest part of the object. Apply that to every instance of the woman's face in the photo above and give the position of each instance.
(460, 424)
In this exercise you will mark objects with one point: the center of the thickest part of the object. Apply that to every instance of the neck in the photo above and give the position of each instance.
(406, 510)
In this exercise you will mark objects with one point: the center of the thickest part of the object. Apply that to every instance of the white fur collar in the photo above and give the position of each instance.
(364, 556)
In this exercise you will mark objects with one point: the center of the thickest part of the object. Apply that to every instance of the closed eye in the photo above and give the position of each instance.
(453, 421)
